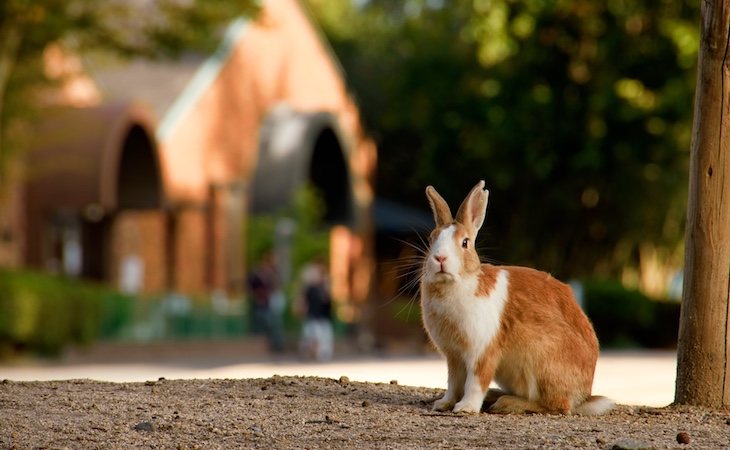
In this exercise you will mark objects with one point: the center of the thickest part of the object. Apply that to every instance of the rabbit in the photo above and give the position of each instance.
(516, 326)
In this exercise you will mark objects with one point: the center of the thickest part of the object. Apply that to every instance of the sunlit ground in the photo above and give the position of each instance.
(635, 377)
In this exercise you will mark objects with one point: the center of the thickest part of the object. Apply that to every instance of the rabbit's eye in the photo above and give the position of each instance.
(465, 243)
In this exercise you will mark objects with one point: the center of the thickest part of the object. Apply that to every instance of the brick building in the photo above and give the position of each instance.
(144, 173)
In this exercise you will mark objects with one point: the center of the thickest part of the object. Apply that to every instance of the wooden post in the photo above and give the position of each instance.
(703, 359)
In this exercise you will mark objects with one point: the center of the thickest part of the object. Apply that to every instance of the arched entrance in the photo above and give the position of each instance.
(300, 148)
(89, 171)
(139, 185)
(138, 229)
(330, 175)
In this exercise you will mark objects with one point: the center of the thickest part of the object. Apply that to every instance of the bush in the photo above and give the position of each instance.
(117, 313)
(43, 313)
(627, 318)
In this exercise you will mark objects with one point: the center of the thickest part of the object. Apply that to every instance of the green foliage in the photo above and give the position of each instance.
(42, 313)
(160, 28)
(310, 237)
(117, 314)
(405, 311)
(577, 114)
(627, 318)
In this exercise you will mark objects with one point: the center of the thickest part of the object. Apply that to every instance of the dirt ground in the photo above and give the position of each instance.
(298, 412)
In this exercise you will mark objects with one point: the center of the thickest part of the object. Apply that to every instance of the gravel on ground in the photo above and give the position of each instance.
(310, 412)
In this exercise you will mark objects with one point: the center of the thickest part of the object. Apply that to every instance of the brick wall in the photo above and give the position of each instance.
(140, 234)
(189, 239)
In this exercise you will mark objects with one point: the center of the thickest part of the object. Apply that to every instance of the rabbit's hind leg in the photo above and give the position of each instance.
(492, 396)
(512, 404)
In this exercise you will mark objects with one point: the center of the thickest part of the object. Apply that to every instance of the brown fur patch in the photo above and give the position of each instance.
(487, 365)
(511, 404)
(487, 280)
(544, 329)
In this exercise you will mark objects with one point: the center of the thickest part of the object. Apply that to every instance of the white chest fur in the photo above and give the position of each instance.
(476, 317)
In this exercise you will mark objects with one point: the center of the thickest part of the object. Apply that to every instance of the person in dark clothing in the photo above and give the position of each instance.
(267, 302)
(318, 301)
(315, 304)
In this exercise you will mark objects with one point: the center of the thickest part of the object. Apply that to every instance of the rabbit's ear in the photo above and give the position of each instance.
(474, 208)
(441, 212)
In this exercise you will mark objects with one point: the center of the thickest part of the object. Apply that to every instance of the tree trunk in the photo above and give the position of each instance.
(703, 375)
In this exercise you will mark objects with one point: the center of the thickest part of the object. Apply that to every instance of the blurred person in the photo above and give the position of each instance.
(267, 301)
(314, 303)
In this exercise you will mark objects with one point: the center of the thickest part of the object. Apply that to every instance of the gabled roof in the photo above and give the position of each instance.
(157, 83)
(170, 88)
(205, 75)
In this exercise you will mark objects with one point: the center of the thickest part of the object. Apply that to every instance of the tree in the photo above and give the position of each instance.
(703, 360)
(159, 28)
(576, 113)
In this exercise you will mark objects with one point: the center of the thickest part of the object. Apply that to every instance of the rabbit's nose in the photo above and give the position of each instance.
(440, 258)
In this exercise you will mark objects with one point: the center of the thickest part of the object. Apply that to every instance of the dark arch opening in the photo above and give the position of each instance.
(329, 173)
(138, 181)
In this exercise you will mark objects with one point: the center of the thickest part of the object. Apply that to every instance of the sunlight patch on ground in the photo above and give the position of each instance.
(635, 378)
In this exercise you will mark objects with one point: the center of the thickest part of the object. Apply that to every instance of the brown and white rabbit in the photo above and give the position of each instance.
(517, 326)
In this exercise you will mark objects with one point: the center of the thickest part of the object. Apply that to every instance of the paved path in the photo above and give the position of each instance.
(636, 377)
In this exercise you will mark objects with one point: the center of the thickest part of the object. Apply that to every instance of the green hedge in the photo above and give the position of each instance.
(42, 313)
(627, 318)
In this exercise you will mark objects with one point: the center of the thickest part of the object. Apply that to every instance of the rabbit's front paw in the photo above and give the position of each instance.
(466, 407)
(443, 404)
